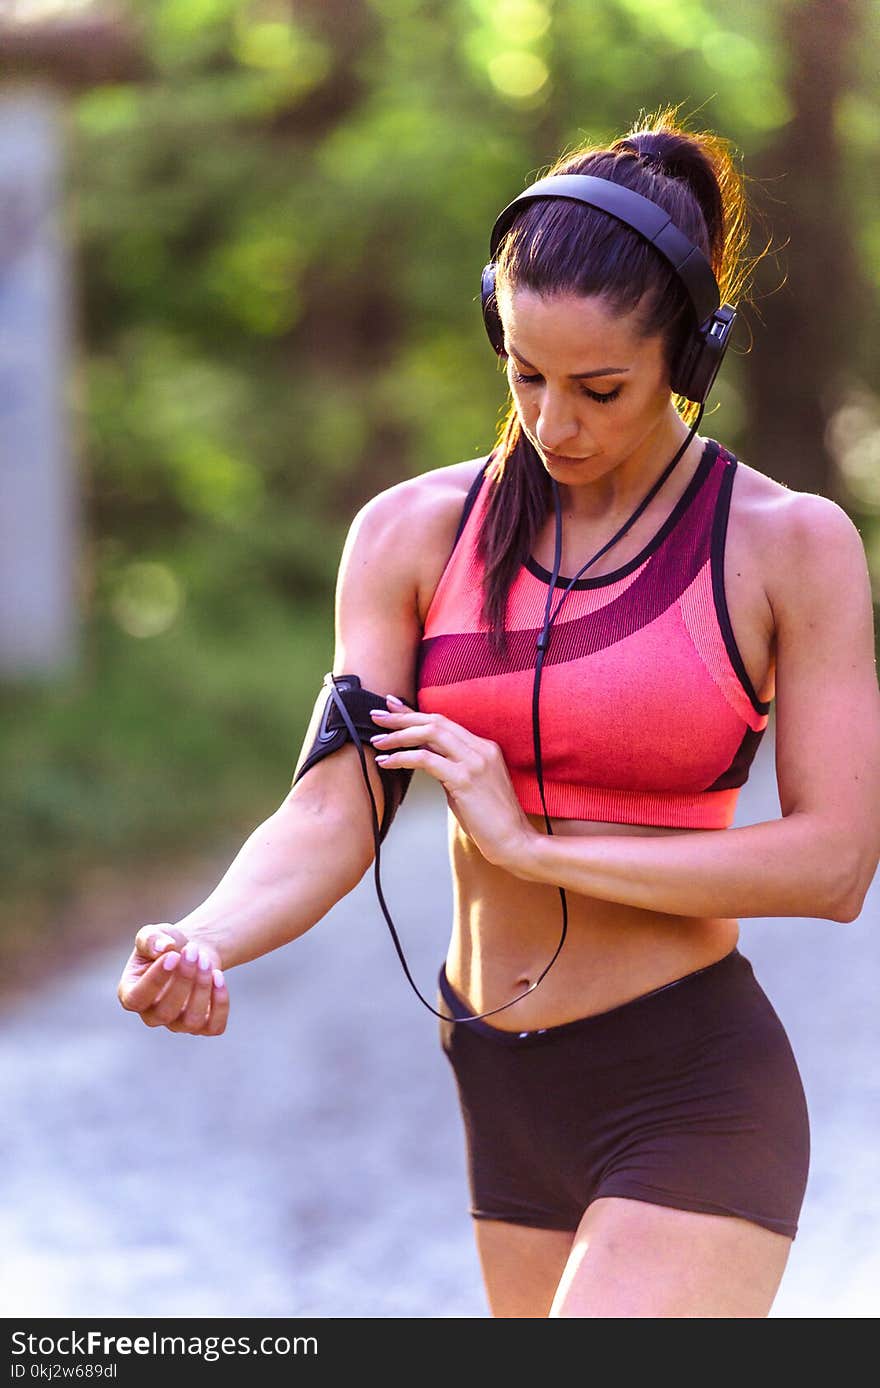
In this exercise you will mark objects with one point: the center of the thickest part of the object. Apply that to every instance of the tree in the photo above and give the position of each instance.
(810, 338)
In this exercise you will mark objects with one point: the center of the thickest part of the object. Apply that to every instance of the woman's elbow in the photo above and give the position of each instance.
(849, 901)
(846, 912)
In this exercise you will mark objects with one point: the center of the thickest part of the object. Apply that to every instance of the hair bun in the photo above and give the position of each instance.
(663, 150)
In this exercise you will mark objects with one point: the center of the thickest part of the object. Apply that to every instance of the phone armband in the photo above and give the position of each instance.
(333, 734)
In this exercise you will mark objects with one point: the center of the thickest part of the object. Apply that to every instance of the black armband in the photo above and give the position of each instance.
(333, 734)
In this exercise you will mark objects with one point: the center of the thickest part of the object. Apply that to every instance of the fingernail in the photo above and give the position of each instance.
(380, 760)
(161, 942)
(379, 737)
(170, 960)
(378, 713)
(393, 699)
(204, 959)
(191, 953)
(219, 980)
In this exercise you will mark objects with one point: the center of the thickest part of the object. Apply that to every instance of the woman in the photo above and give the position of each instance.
(637, 1133)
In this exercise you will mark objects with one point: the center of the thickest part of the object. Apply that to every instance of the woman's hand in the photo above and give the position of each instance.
(471, 770)
(174, 982)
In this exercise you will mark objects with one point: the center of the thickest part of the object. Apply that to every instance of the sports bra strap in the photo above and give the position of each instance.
(473, 493)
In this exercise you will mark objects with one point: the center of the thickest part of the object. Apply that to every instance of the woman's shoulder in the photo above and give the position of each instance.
(416, 519)
(430, 495)
(792, 534)
(786, 515)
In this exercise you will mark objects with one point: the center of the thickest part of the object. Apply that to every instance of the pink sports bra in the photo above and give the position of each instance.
(647, 713)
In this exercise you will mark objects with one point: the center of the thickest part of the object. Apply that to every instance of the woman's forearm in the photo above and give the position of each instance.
(786, 867)
(288, 874)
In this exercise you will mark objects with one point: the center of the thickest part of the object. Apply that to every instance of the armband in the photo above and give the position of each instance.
(333, 734)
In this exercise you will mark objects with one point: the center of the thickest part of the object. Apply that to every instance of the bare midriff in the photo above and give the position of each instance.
(505, 931)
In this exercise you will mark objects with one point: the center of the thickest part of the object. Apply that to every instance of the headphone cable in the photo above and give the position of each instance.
(542, 646)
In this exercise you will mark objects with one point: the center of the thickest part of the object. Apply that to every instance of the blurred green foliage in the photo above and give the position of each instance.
(277, 239)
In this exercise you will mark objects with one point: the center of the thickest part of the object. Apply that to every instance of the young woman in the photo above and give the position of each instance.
(637, 1134)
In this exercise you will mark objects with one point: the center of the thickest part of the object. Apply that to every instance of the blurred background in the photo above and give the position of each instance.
(240, 245)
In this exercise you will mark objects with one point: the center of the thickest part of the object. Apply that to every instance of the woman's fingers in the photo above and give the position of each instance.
(219, 1015)
(153, 940)
(175, 982)
(436, 733)
(436, 745)
(180, 970)
(197, 1007)
(159, 996)
(150, 942)
(207, 1011)
(196, 1000)
(142, 982)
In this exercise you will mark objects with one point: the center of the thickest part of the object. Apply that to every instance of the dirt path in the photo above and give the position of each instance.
(310, 1161)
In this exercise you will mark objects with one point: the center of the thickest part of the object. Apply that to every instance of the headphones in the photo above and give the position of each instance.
(694, 373)
(693, 376)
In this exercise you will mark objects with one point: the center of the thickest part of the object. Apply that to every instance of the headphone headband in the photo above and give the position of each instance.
(698, 360)
(634, 210)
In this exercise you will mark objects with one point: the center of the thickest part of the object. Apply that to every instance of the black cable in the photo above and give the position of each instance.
(542, 646)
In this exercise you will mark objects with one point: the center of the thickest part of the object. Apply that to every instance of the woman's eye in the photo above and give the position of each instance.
(605, 399)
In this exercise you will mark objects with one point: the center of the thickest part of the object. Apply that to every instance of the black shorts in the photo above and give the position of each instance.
(687, 1096)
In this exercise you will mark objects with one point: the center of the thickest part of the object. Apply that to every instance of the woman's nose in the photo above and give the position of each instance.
(555, 425)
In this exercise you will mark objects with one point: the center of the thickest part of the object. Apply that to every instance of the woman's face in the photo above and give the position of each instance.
(591, 392)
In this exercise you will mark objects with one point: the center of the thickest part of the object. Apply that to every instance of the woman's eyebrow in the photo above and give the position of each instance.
(578, 375)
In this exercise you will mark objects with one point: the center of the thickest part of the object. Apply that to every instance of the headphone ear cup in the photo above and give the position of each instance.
(491, 316)
(703, 353)
(683, 375)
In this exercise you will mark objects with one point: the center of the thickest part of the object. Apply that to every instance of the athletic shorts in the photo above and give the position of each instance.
(687, 1096)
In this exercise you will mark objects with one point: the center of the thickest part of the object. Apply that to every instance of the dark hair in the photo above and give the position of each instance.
(557, 246)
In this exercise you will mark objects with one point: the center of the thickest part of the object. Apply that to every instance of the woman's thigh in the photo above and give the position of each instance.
(521, 1266)
(633, 1259)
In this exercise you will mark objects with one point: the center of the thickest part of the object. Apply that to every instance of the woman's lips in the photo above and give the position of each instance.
(562, 458)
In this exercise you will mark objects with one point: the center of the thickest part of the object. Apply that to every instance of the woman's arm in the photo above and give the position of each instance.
(784, 867)
(319, 842)
(289, 873)
(820, 858)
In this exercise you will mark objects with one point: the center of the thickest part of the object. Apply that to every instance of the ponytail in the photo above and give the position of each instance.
(560, 247)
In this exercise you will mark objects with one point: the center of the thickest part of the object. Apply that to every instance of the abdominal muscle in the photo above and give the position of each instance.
(506, 930)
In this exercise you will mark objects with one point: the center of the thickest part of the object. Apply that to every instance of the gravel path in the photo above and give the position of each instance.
(310, 1162)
